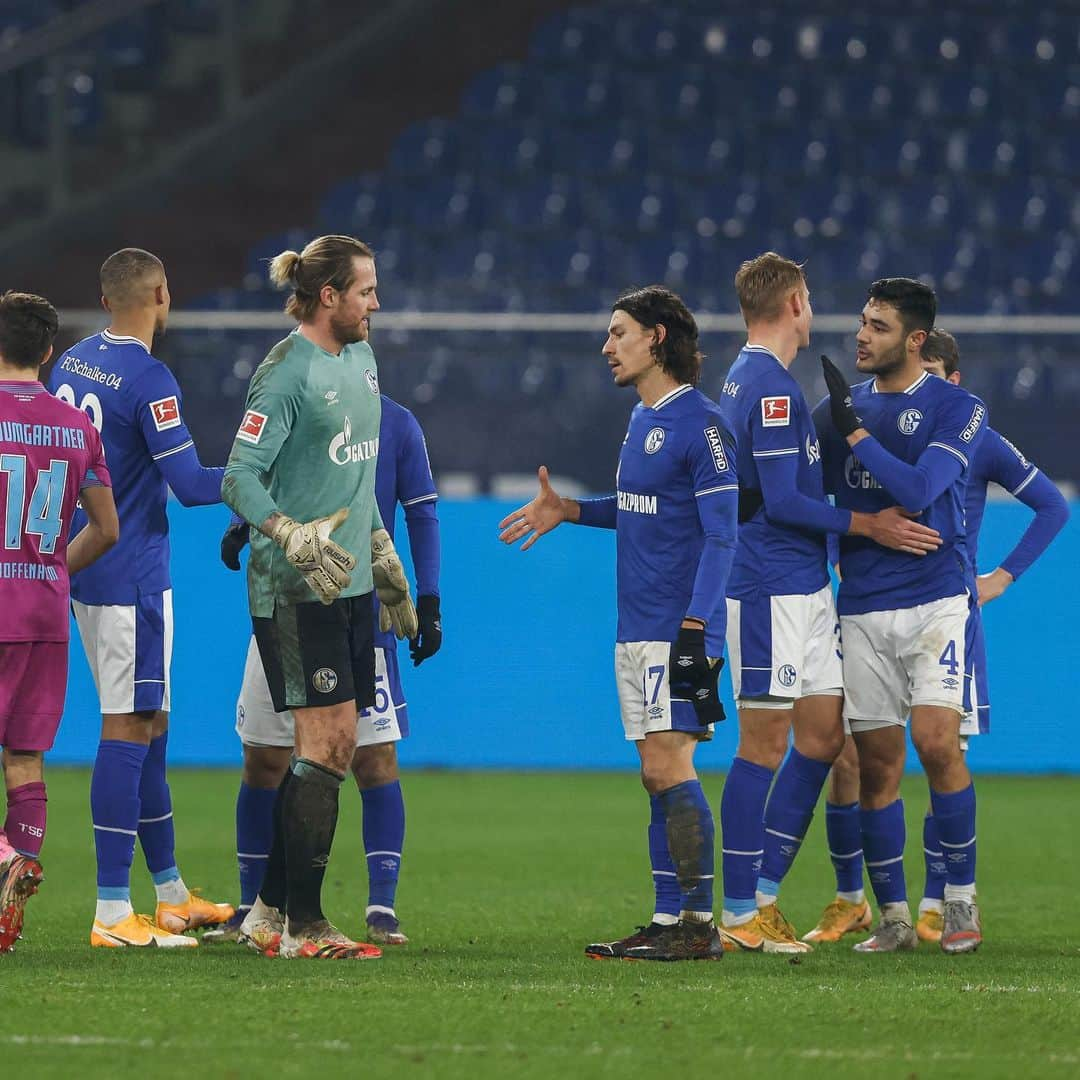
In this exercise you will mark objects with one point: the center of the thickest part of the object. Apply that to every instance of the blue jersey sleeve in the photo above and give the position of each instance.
(958, 430)
(599, 513)
(417, 495)
(1008, 467)
(711, 458)
(158, 412)
(771, 420)
(415, 483)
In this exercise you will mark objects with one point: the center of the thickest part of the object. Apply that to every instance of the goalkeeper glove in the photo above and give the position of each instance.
(844, 417)
(428, 640)
(396, 609)
(693, 676)
(233, 541)
(325, 566)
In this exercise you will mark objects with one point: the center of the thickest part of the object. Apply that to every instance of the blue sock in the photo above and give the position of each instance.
(156, 834)
(935, 860)
(955, 818)
(254, 838)
(665, 883)
(690, 841)
(883, 836)
(788, 814)
(845, 845)
(742, 825)
(114, 809)
(384, 838)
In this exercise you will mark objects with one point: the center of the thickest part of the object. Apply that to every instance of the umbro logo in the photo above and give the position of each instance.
(331, 397)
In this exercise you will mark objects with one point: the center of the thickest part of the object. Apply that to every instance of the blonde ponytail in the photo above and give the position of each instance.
(283, 268)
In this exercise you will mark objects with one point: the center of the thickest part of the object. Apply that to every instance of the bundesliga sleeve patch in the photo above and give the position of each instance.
(716, 448)
(251, 427)
(166, 413)
(775, 411)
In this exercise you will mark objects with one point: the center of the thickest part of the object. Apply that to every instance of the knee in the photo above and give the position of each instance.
(824, 745)
(937, 750)
(264, 766)
(373, 766)
(766, 748)
(879, 782)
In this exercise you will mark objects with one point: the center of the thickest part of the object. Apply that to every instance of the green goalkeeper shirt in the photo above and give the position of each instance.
(308, 445)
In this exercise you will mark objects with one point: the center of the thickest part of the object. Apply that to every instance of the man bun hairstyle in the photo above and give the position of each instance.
(655, 305)
(327, 260)
(28, 324)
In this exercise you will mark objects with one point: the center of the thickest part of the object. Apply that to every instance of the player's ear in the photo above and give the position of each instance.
(159, 295)
(954, 378)
(47, 357)
(105, 304)
(326, 295)
(916, 339)
(659, 333)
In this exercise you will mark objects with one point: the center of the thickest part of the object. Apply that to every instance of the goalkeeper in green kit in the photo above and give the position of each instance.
(302, 472)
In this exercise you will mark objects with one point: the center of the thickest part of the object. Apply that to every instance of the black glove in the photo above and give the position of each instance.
(233, 541)
(691, 676)
(428, 639)
(844, 417)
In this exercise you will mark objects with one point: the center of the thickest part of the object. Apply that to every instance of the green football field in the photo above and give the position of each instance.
(506, 877)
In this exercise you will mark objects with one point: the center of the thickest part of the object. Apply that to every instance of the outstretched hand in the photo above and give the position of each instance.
(540, 516)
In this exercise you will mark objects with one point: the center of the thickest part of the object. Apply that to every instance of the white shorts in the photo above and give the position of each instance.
(258, 725)
(894, 660)
(129, 651)
(784, 647)
(645, 701)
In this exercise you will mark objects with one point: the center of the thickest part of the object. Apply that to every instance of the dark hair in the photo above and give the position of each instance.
(28, 324)
(763, 284)
(915, 302)
(327, 260)
(654, 306)
(941, 345)
(127, 275)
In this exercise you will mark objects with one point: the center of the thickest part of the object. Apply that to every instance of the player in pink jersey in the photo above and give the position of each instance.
(50, 457)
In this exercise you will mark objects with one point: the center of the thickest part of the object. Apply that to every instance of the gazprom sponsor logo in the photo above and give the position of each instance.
(857, 477)
(343, 450)
(973, 425)
(632, 503)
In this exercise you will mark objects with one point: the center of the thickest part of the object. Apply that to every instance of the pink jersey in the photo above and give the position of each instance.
(49, 452)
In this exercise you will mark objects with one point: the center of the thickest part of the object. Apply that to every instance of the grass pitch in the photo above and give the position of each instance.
(506, 878)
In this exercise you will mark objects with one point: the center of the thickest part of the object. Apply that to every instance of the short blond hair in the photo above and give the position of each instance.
(764, 283)
(327, 260)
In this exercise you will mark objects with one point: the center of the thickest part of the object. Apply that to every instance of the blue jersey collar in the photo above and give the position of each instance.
(910, 390)
(123, 339)
(670, 396)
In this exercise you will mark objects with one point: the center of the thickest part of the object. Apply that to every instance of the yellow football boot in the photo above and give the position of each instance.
(930, 925)
(193, 912)
(763, 933)
(137, 931)
(839, 918)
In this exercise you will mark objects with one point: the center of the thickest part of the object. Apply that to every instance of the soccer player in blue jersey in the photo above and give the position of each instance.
(908, 436)
(782, 627)
(123, 603)
(998, 461)
(402, 476)
(674, 516)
